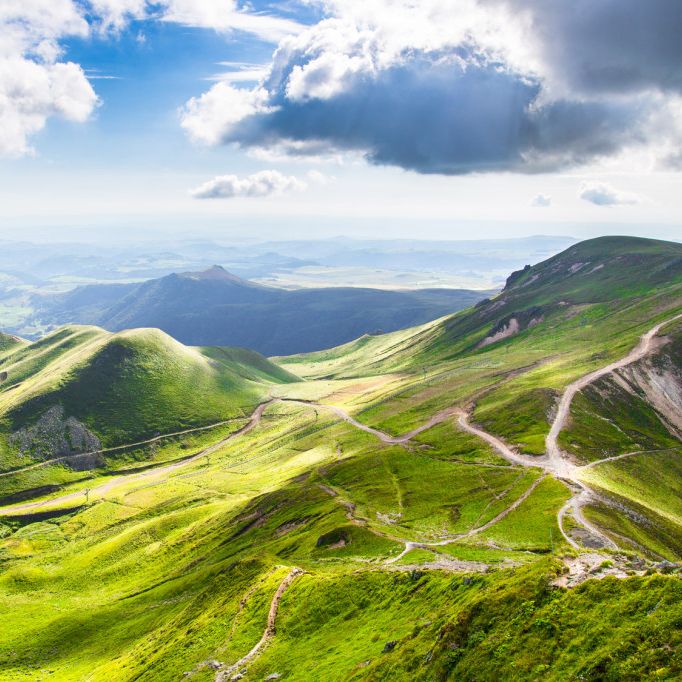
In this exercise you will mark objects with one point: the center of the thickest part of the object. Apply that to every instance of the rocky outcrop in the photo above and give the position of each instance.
(55, 435)
(658, 379)
(509, 328)
(512, 324)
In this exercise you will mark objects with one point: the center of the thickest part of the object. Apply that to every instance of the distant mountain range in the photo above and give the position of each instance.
(215, 307)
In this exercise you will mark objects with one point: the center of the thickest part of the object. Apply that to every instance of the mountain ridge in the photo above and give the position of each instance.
(214, 307)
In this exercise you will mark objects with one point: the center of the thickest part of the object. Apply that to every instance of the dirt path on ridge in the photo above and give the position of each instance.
(384, 437)
(103, 488)
(268, 633)
(116, 448)
(641, 350)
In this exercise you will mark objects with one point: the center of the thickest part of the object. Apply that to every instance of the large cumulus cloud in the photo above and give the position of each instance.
(460, 86)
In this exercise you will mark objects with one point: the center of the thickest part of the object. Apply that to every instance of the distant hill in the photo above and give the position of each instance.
(214, 307)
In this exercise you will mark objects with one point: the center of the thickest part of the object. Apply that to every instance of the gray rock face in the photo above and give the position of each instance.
(55, 435)
(389, 646)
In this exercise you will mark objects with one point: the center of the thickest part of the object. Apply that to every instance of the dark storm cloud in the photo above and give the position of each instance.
(449, 120)
(614, 46)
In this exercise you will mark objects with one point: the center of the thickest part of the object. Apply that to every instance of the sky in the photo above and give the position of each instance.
(310, 118)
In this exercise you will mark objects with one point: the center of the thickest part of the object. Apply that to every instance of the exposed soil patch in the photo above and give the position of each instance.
(290, 526)
(510, 328)
(54, 435)
(595, 565)
(339, 537)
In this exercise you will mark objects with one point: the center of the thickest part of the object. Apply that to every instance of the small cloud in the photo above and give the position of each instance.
(240, 72)
(263, 184)
(541, 201)
(94, 74)
(602, 194)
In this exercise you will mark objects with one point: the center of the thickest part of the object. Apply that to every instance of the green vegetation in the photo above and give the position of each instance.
(513, 625)
(430, 559)
(533, 524)
(128, 387)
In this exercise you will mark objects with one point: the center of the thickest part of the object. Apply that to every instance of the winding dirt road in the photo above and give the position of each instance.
(646, 343)
(268, 633)
(381, 435)
(625, 455)
(497, 444)
(565, 469)
(554, 462)
(410, 545)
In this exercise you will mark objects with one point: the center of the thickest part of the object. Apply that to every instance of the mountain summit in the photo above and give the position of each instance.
(217, 273)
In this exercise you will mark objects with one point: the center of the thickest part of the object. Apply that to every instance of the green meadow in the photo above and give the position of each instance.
(157, 556)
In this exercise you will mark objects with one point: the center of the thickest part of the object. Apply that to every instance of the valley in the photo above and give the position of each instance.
(491, 495)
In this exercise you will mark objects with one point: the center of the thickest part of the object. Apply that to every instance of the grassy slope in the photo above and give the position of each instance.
(9, 343)
(614, 415)
(148, 584)
(593, 302)
(133, 385)
(512, 626)
(145, 581)
(588, 318)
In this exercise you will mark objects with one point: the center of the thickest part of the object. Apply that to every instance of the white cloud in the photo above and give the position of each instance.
(115, 15)
(208, 117)
(603, 194)
(225, 15)
(218, 15)
(541, 201)
(262, 184)
(240, 72)
(34, 84)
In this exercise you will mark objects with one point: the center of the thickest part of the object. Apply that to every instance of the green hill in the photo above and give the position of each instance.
(590, 281)
(9, 343)
(398, 514)
(121, 388)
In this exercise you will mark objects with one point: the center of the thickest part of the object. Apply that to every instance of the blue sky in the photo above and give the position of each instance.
(373, 118)
(143, 76)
